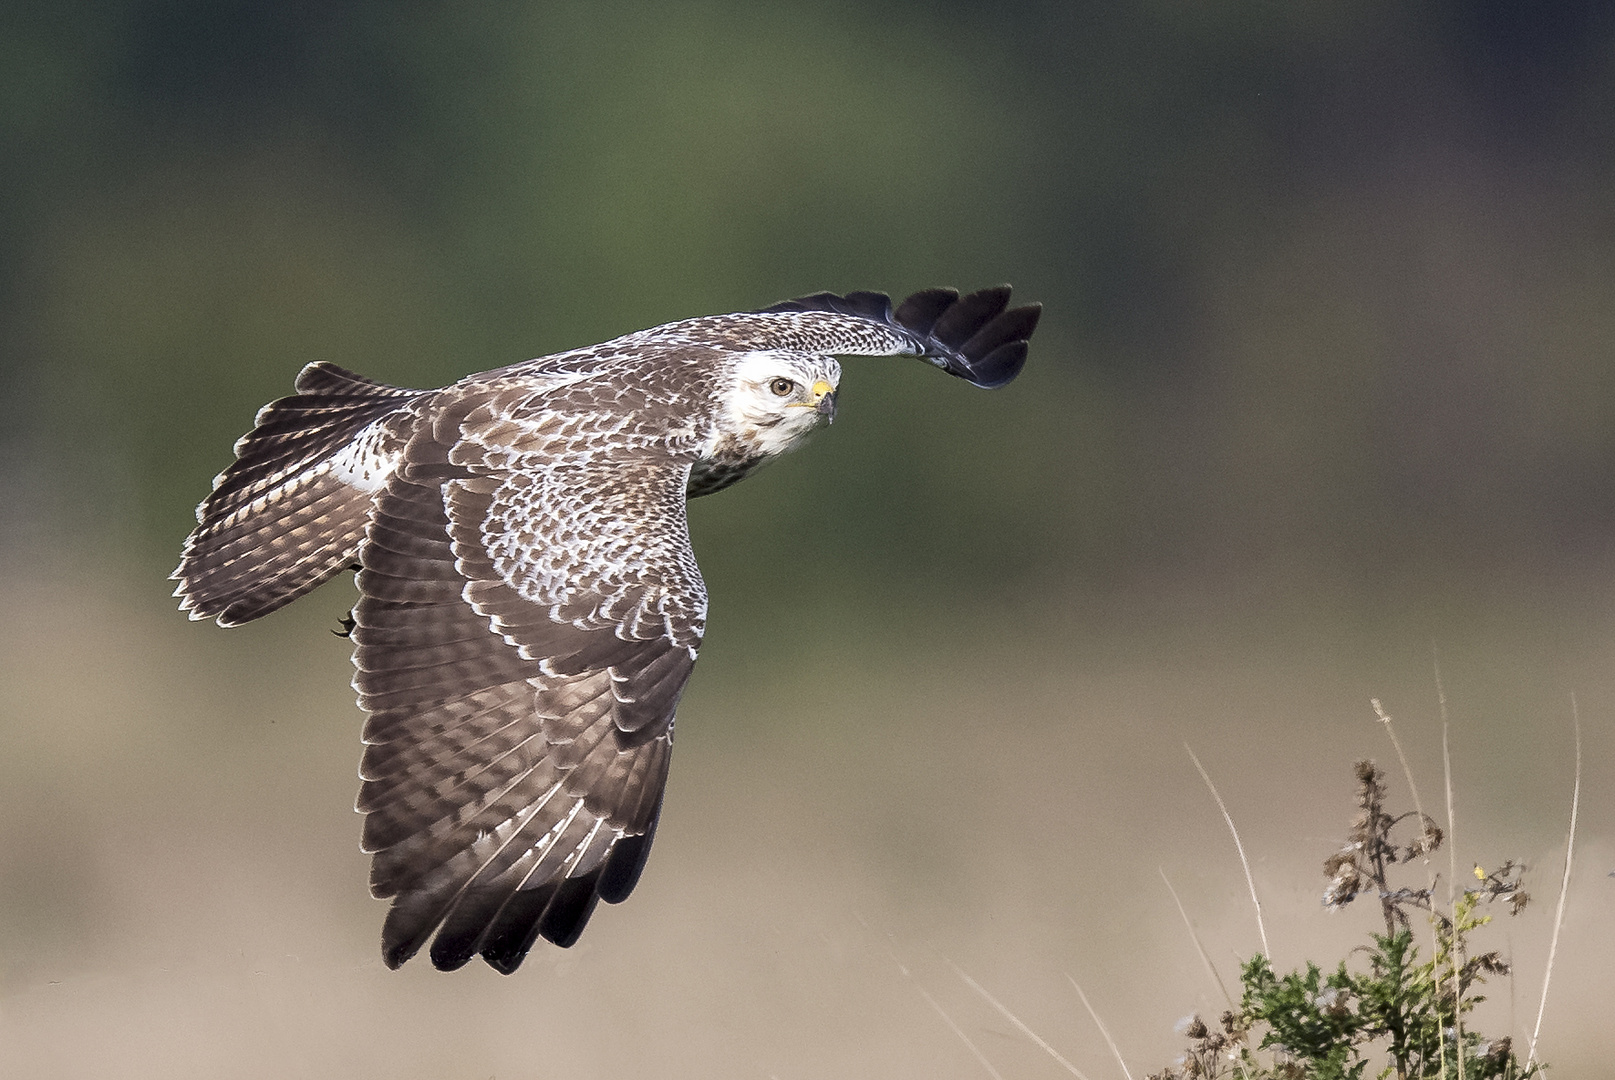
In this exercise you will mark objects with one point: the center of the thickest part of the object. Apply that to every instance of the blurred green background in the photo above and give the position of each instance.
(1325, 376)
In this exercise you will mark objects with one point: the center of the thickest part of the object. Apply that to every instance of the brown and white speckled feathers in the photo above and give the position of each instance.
(521, 659)
(530, 608)
(293, 508)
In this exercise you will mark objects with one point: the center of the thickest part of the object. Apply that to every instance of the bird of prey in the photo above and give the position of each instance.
(529, 606)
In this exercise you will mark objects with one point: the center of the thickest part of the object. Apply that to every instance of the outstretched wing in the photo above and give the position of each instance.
(527, 622)
(977, 337)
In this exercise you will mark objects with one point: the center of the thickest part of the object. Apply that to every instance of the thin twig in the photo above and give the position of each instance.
(1205, 958)
(1100, 1024)
(1261, 927)
(1564, 885)
(1012, 1018)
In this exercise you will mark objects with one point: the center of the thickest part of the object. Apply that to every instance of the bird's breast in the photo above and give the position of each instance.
(727, 464)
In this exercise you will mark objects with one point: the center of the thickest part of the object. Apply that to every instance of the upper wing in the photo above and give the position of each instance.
(978, 337)
(527, 623)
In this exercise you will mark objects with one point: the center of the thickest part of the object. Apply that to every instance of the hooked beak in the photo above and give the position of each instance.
(824, 401)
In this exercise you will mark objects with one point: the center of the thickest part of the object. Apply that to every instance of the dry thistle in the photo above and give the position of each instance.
(1210, 1054)
(1362, 864)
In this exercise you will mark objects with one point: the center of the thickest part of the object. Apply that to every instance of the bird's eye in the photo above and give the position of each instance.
(781, 387)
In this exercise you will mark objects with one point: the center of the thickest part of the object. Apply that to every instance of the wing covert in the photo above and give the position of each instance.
(521, 642)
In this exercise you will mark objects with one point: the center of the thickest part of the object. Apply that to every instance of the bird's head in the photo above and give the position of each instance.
(774, 400)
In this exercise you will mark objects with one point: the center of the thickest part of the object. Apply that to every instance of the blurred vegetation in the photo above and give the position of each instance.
(1330, 290)
(1409, 1019)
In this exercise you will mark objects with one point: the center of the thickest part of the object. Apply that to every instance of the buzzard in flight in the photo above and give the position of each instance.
(529, 606)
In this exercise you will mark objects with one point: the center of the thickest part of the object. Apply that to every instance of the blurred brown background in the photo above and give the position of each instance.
(1324, 387)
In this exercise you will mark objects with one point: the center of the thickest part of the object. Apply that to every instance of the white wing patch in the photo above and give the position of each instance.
(365, 463)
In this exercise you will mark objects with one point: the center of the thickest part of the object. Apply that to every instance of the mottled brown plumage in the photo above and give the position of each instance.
(530, 608)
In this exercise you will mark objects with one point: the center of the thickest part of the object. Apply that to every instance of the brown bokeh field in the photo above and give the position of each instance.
(184, 897)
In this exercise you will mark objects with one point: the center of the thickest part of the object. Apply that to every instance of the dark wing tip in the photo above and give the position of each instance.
(449, 955)
(921, 311)
(626, 862)
(568, 913)
(556, 912)
(969, 314)
(515, 930)
(395, 953)
(999, 367)
(863, 305)
(977, 337)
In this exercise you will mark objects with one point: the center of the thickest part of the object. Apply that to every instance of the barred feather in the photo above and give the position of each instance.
(293, 508)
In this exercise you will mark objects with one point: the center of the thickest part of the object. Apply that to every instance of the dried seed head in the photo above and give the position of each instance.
(1333, 864)
(1344, 886)
(1428, 840)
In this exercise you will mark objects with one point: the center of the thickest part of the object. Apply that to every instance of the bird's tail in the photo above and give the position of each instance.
(291, 511)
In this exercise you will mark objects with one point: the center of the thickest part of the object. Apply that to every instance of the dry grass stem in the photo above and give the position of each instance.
(1396, 743)
(935, 1005)
(1100, 1024)
(1452, 850)
(1418, 804)
(1205, 958)
(1250, 881)
(957, 1030)
(1564, 885)
(1012, 1018)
